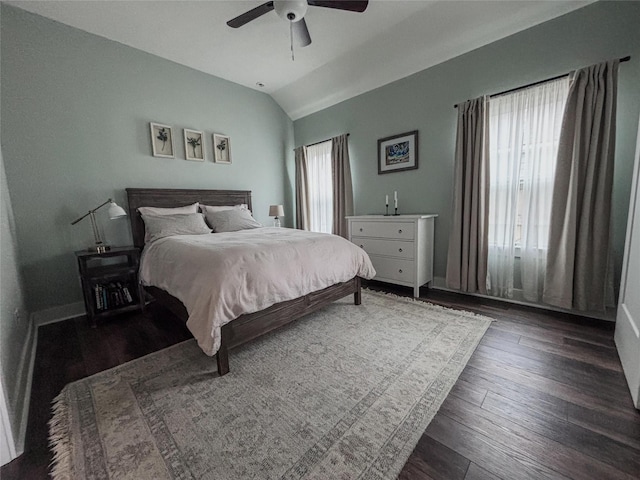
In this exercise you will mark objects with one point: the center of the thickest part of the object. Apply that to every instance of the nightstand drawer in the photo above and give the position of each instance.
(396, 230)
(393, 269)
(390, 248)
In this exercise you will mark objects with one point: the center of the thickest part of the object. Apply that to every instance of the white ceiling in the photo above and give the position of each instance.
(351, 53)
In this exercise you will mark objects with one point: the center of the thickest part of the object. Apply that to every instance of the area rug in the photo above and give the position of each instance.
(343, 393)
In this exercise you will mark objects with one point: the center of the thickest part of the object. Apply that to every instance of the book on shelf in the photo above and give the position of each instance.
(112, 295)
(98, 293)
(126, 293)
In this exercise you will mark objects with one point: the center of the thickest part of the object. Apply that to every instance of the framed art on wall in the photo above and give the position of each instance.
(398, 152)
(193, 145)
(221, 148)
(162, 140)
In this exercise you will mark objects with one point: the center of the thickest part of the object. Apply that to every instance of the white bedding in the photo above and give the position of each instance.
(220, 276)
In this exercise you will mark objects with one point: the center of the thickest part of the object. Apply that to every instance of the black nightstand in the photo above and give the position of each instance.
(110, 282)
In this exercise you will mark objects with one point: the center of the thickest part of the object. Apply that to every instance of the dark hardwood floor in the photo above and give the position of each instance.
(71, 350)
(543, 396)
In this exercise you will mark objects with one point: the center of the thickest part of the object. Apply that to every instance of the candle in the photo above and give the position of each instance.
(386, 200)
(395, 199)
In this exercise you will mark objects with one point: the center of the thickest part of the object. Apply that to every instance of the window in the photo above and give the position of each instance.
(320, 188)
(524, 130)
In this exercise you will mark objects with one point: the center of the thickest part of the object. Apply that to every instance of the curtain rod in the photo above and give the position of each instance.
(623, 59)
(322, 141)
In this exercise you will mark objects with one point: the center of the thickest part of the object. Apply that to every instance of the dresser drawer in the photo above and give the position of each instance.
(393, 269)
(390, 248)
(397, 230)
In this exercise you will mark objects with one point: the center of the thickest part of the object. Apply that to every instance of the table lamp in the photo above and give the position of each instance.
(115, 211)
(276, 211)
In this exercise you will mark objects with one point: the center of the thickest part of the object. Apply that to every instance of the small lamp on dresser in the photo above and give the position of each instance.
(276, 211)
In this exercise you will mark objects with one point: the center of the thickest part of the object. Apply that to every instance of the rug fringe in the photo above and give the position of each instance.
(60, 437)
(463, 313)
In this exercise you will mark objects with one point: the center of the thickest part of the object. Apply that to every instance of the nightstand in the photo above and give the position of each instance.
(110, 282)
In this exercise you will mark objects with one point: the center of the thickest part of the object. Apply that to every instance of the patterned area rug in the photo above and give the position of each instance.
(343, 393)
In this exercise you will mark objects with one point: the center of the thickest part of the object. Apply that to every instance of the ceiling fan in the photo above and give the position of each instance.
(293, 11)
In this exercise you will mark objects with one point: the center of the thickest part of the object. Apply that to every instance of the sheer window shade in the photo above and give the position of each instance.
(523, 144)
(320, 187)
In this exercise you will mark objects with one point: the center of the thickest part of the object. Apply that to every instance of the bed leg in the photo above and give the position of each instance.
(222, 357)
(357, 295)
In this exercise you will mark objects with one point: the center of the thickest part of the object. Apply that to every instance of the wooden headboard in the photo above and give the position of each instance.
(165, 197)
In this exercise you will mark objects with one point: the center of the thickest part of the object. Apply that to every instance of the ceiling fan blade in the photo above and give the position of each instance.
(252, 14)
(301, 33)
(352, 6)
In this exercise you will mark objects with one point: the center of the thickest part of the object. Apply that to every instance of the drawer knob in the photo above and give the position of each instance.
(400, 231)
(360, 229)
(400, 250)
(400, 271)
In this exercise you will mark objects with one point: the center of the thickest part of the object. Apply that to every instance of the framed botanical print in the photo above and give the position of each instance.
(221, 148)
(193, 145)
(162, 140)
(398, 152)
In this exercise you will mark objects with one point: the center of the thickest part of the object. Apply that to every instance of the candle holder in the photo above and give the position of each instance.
(395, 212)
(386, 214)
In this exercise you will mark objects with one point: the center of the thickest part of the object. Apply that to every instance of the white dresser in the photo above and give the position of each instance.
(400, 246)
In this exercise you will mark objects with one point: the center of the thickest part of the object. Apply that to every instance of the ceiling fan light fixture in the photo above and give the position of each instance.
(294, 11)
(291, 10)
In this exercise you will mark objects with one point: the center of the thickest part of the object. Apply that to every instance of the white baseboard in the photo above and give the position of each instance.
(23, 386)
(439, 283)
(58, 314)
(7, 443)
(27, 362)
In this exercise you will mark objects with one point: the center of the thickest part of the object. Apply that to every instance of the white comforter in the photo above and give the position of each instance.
(221, 276)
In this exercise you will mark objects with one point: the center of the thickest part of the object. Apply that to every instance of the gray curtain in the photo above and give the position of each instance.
(302, 197)
(342, 188)
(578, 256)
(468, 237)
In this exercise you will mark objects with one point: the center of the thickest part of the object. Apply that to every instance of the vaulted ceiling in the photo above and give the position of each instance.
(350, 53)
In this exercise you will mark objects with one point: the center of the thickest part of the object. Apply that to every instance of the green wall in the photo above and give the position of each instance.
(424, 102)
(75, 128)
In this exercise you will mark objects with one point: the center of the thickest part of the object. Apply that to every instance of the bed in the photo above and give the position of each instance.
(246, 326)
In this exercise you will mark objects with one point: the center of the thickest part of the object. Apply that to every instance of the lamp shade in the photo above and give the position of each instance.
(276, 211)
(116, 211)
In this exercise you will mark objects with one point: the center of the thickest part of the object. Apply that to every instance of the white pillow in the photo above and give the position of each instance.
(193, 208)
(231, 220)
(160, 226)
(222, 208)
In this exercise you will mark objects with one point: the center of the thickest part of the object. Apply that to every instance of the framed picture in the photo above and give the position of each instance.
(398, 153)
(162, 140)
(193, 145)
(221, 148)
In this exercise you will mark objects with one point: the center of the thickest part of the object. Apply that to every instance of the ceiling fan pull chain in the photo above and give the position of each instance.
(291, 37)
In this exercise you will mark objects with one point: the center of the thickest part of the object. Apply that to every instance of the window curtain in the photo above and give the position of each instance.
(579, 236)
(467, 255)
(523, 144)
(320, 187)
(342, 187)
(302, 195)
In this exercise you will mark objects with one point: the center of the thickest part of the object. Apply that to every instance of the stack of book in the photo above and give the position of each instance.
(112, 295)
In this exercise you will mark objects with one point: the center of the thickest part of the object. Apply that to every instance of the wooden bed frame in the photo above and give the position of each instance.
(249, 326)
